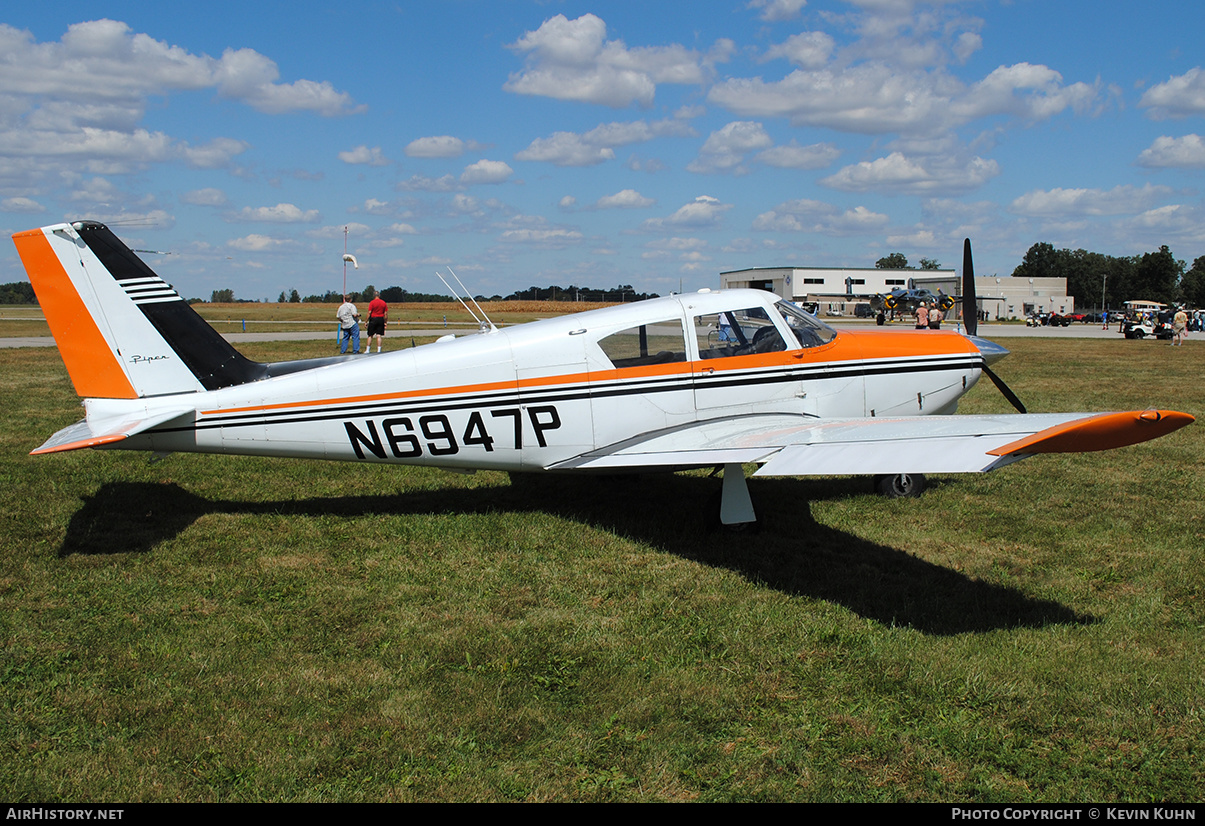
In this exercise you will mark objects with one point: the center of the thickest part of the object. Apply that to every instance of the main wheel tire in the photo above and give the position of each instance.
(900, 485)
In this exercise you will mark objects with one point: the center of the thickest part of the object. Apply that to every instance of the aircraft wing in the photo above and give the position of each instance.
(786, 445)
(103, 431)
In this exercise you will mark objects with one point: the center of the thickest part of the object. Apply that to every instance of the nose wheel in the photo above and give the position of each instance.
(900, 485)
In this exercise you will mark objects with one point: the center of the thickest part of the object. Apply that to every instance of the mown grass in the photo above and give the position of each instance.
(226, 629)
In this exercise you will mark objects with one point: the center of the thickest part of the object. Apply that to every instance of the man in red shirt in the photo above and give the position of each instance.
(378, 314)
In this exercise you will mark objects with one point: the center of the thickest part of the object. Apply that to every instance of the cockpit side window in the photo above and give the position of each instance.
(809, 330)
(662, 342)
(737, 333)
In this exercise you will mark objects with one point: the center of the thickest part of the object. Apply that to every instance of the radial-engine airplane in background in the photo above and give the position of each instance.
(701, 380)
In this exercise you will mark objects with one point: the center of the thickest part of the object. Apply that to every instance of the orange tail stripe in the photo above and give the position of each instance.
(93, 368)
(1103, 432)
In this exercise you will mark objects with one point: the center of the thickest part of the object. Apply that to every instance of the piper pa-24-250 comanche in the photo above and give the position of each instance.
(700, 380)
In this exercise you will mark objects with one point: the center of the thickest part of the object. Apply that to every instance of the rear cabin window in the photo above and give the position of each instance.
(737, 333)
(662, 342)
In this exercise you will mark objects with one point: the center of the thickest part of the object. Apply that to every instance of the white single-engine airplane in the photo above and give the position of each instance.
(708, 379)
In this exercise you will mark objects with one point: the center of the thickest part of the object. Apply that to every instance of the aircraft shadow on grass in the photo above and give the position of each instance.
(794, 554)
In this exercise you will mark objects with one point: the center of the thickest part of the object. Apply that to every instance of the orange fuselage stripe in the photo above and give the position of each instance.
(93, 368)
(858, 346)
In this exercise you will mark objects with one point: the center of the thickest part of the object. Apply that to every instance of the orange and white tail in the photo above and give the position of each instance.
(123, 332)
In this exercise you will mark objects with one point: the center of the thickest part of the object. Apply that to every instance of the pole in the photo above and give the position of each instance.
(345, 263)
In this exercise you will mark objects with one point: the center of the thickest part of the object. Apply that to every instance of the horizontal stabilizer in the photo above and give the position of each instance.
(96, 433)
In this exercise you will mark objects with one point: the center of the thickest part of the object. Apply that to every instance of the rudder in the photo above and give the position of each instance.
(122, 331)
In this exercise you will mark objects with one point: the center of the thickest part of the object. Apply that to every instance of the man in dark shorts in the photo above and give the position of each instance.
(378, 314)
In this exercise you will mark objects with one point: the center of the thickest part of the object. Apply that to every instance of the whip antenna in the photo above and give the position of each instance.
(483, 321)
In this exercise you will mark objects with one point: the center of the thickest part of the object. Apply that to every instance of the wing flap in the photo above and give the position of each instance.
(96, 433)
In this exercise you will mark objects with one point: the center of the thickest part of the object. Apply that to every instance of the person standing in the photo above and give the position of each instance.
(935, 318)
(922, 317)
(378, 316)
(349, 326)
(1179, 328)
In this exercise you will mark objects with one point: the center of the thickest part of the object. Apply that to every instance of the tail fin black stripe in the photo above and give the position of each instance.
(210, 357)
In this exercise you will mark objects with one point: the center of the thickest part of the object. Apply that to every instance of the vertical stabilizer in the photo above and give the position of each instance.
(123, 332)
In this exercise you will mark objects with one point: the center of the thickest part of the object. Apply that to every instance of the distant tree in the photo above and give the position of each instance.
(1040, 261)
(294, 297)
(281, 299)
(929, 264)
(1157, 276)
(1192, 285)
(18, 292)
(895, 261)
(222, 296)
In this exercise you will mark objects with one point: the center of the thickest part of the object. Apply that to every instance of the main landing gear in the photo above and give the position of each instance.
(900, 485)
(737, 514)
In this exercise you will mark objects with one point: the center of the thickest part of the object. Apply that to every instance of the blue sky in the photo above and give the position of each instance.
(653, 144)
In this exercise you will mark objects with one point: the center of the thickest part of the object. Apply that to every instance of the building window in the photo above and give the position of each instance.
(813, 281)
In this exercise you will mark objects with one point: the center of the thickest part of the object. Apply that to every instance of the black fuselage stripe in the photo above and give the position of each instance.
(581, 392)
(643, 385)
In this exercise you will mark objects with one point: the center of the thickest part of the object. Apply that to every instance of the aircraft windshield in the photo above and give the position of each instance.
(811, 331)
(737, 333)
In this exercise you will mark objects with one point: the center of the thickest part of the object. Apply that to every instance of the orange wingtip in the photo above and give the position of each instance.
(95, 441)
(1103, 432)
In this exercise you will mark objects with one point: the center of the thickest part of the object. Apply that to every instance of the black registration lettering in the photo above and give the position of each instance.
(401, 439)
(475, 433)
(517, 416)
(397, 440)
(551, 421)
(437, 429)
(358, 439)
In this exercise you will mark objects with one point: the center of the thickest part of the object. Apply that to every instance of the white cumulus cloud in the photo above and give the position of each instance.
(1187, 152)
(624, 199)
(486, 172)
(900, 174)
(573, 60)
(1120, 200)
(1178, 97)
(364, 155)
(279, 214)
(704, 211)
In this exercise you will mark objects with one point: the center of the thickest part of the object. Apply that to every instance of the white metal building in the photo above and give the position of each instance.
(839, 289)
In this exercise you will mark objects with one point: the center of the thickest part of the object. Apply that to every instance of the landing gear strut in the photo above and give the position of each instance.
(736, 506)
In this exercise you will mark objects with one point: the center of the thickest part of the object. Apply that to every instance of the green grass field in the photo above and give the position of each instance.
(235, 629)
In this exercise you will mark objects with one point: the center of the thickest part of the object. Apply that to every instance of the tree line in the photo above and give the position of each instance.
(396, 295)
(1153, 276)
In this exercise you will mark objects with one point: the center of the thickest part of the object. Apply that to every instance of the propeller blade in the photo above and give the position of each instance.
(1004, 389)
(970, 306)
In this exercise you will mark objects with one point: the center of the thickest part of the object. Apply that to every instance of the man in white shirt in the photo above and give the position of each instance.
(349, 326)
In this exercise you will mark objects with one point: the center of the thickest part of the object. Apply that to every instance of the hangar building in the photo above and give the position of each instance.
(838, 290)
